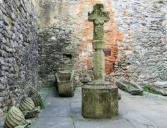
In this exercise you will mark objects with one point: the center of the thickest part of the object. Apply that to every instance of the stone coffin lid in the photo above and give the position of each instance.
(130, 87)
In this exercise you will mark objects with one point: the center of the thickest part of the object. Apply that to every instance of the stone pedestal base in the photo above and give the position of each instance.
(99, 101)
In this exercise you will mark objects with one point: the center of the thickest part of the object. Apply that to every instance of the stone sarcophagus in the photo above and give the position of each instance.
(64, 80)
(130, 87)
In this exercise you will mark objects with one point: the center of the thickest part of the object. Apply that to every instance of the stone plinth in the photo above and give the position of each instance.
(99, 101)
(65, 83)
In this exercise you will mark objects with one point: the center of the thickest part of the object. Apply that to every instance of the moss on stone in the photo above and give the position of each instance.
(99, 5)
(146, 89)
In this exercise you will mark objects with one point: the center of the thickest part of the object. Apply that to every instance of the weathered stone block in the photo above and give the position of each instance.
(65, 83)
(99, 101)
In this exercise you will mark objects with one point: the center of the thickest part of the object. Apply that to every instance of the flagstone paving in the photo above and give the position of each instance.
(148, 111)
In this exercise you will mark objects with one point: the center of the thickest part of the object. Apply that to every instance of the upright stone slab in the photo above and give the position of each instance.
(99, 98)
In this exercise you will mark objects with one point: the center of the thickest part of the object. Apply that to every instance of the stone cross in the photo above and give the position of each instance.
(98, 16)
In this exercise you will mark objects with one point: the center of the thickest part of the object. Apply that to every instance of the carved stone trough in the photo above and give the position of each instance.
(64, 81)
(130, 87)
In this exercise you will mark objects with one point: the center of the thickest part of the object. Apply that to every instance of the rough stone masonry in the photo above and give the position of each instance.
(144, 26)
(18, 50)
(135, 35)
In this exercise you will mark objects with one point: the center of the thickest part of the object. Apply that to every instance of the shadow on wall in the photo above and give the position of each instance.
(55, 53)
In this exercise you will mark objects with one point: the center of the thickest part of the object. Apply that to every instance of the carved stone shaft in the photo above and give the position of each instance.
(98, 16)
(98, 65)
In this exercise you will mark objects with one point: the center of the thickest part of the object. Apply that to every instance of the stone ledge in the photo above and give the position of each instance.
(93, 86)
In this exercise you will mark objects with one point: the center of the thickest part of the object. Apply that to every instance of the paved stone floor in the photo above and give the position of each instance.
(148, 111)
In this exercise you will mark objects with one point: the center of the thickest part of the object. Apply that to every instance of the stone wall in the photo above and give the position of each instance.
(72, 15)
(135, 36)
(18, 50)
(59, 38)
(56, 52)
(144, 26)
